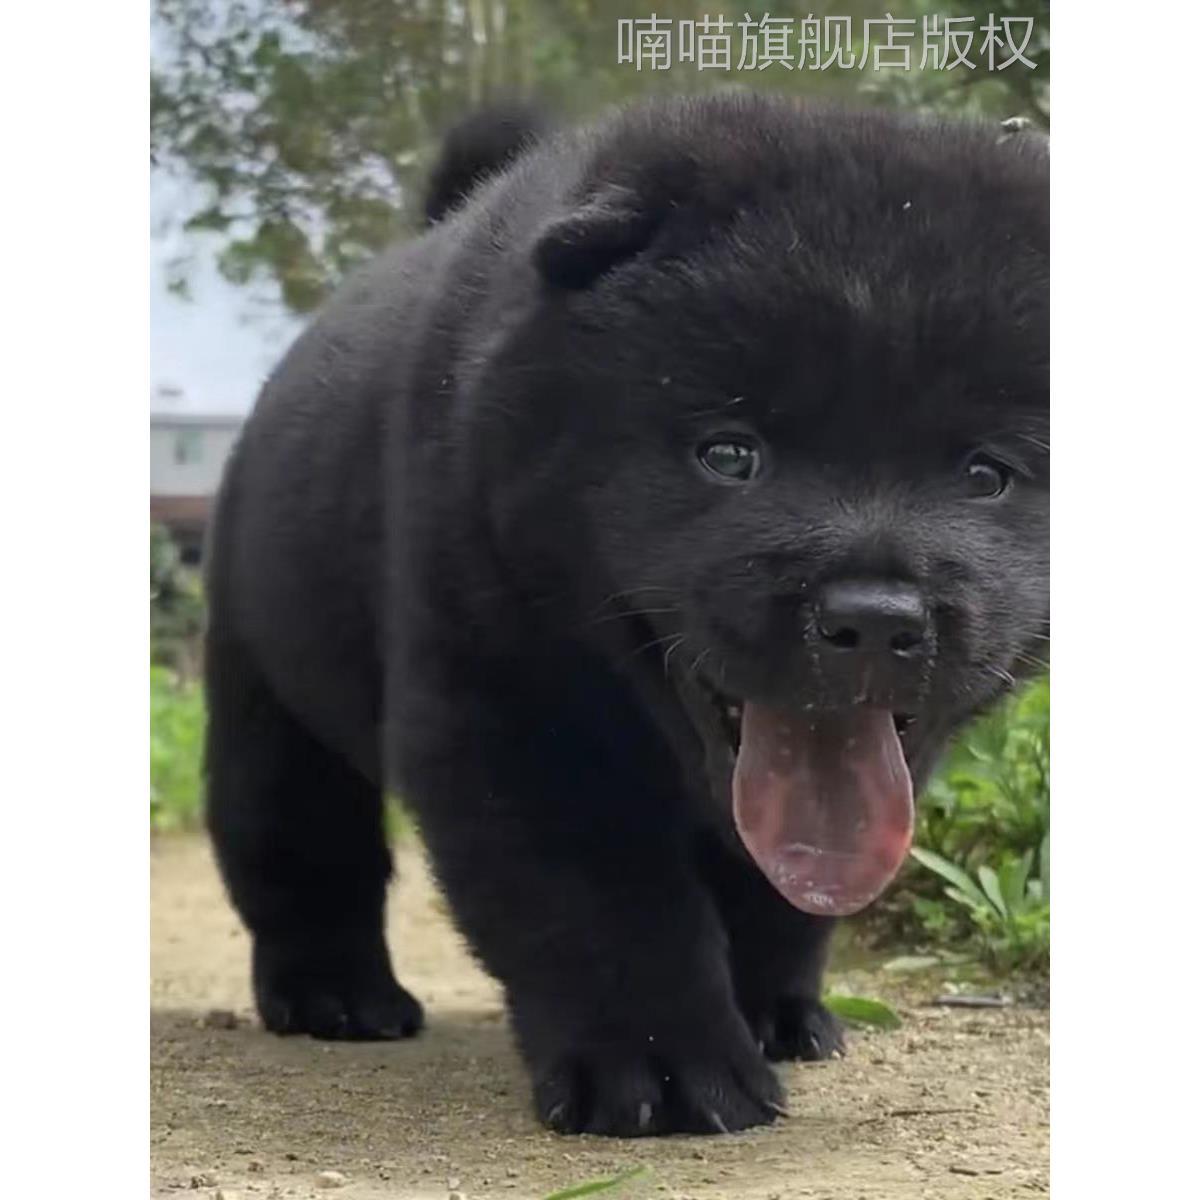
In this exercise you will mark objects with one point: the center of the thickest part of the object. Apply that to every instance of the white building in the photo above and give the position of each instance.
(187, 455)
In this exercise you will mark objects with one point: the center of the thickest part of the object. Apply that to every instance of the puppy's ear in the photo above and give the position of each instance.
(575, 250)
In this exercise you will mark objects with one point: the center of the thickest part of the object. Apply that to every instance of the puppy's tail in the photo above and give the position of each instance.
(479, 146)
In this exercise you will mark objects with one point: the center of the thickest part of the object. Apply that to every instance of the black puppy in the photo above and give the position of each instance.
(649, 524)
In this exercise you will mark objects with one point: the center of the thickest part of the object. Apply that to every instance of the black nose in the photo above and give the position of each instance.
(873, 616)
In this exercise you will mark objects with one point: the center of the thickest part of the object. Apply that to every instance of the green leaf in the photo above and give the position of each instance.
(1014, 876)
(977, 903)
(991, 888)
(1044, 866)
(596, 1185)
(951, 873)
(210, 219)
(861, 1011)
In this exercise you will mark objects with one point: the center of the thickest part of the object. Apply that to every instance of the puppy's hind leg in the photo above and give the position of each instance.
(299, 837)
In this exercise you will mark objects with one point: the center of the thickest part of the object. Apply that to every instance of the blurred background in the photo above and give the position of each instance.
(290, 140)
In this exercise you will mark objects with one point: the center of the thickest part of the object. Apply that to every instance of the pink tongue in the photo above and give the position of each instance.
(824, 804)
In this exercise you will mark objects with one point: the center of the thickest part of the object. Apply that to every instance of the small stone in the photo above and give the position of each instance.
(205, 1179)
(226, 1194)
(220, 1018)
(456, 1196)
(331, 1179)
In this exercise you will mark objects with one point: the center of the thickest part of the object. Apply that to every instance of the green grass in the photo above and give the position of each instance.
(593, 1186)
(176, 750)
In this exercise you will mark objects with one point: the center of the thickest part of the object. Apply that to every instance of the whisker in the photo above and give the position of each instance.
(624, 614)
(1007, 677)
(628, 593)
(676, 638)
(1032, 660)
(671, 650)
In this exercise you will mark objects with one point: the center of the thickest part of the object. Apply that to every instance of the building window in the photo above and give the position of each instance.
(189, 446)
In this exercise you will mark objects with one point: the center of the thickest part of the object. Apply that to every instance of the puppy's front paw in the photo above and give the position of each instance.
(799, 1027)
(627, 1090)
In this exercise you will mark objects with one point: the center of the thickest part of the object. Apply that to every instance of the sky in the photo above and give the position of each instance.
(209, 353)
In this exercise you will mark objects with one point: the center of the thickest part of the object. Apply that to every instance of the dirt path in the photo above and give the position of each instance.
(953, 1105)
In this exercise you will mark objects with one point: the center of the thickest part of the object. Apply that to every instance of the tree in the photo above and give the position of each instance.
(306, 127)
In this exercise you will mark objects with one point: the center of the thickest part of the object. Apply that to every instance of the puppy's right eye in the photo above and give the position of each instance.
(986, 477)
(730, 459)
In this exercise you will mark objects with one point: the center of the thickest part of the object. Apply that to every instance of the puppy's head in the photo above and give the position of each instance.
(801, 359)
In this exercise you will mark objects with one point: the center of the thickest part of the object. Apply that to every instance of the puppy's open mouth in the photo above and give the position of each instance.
(729, 713)
(822, 799)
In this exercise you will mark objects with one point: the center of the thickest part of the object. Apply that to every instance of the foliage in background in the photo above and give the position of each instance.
(176, 607)
(303, 130)
(1009, 905)
(176, 699)
(980, 879)
(1014, 92)
(176, 750)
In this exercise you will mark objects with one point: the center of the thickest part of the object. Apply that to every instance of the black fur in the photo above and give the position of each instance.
(480, 146)
(464, 548)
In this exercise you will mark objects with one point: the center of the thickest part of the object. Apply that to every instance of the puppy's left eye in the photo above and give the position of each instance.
(986, 477)
(730, 459)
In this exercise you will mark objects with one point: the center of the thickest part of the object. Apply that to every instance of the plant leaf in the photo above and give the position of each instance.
(991, 887)
(861, 1011)
(976, 904)
(951, 873)
(1014, 878)
(592, 1186)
